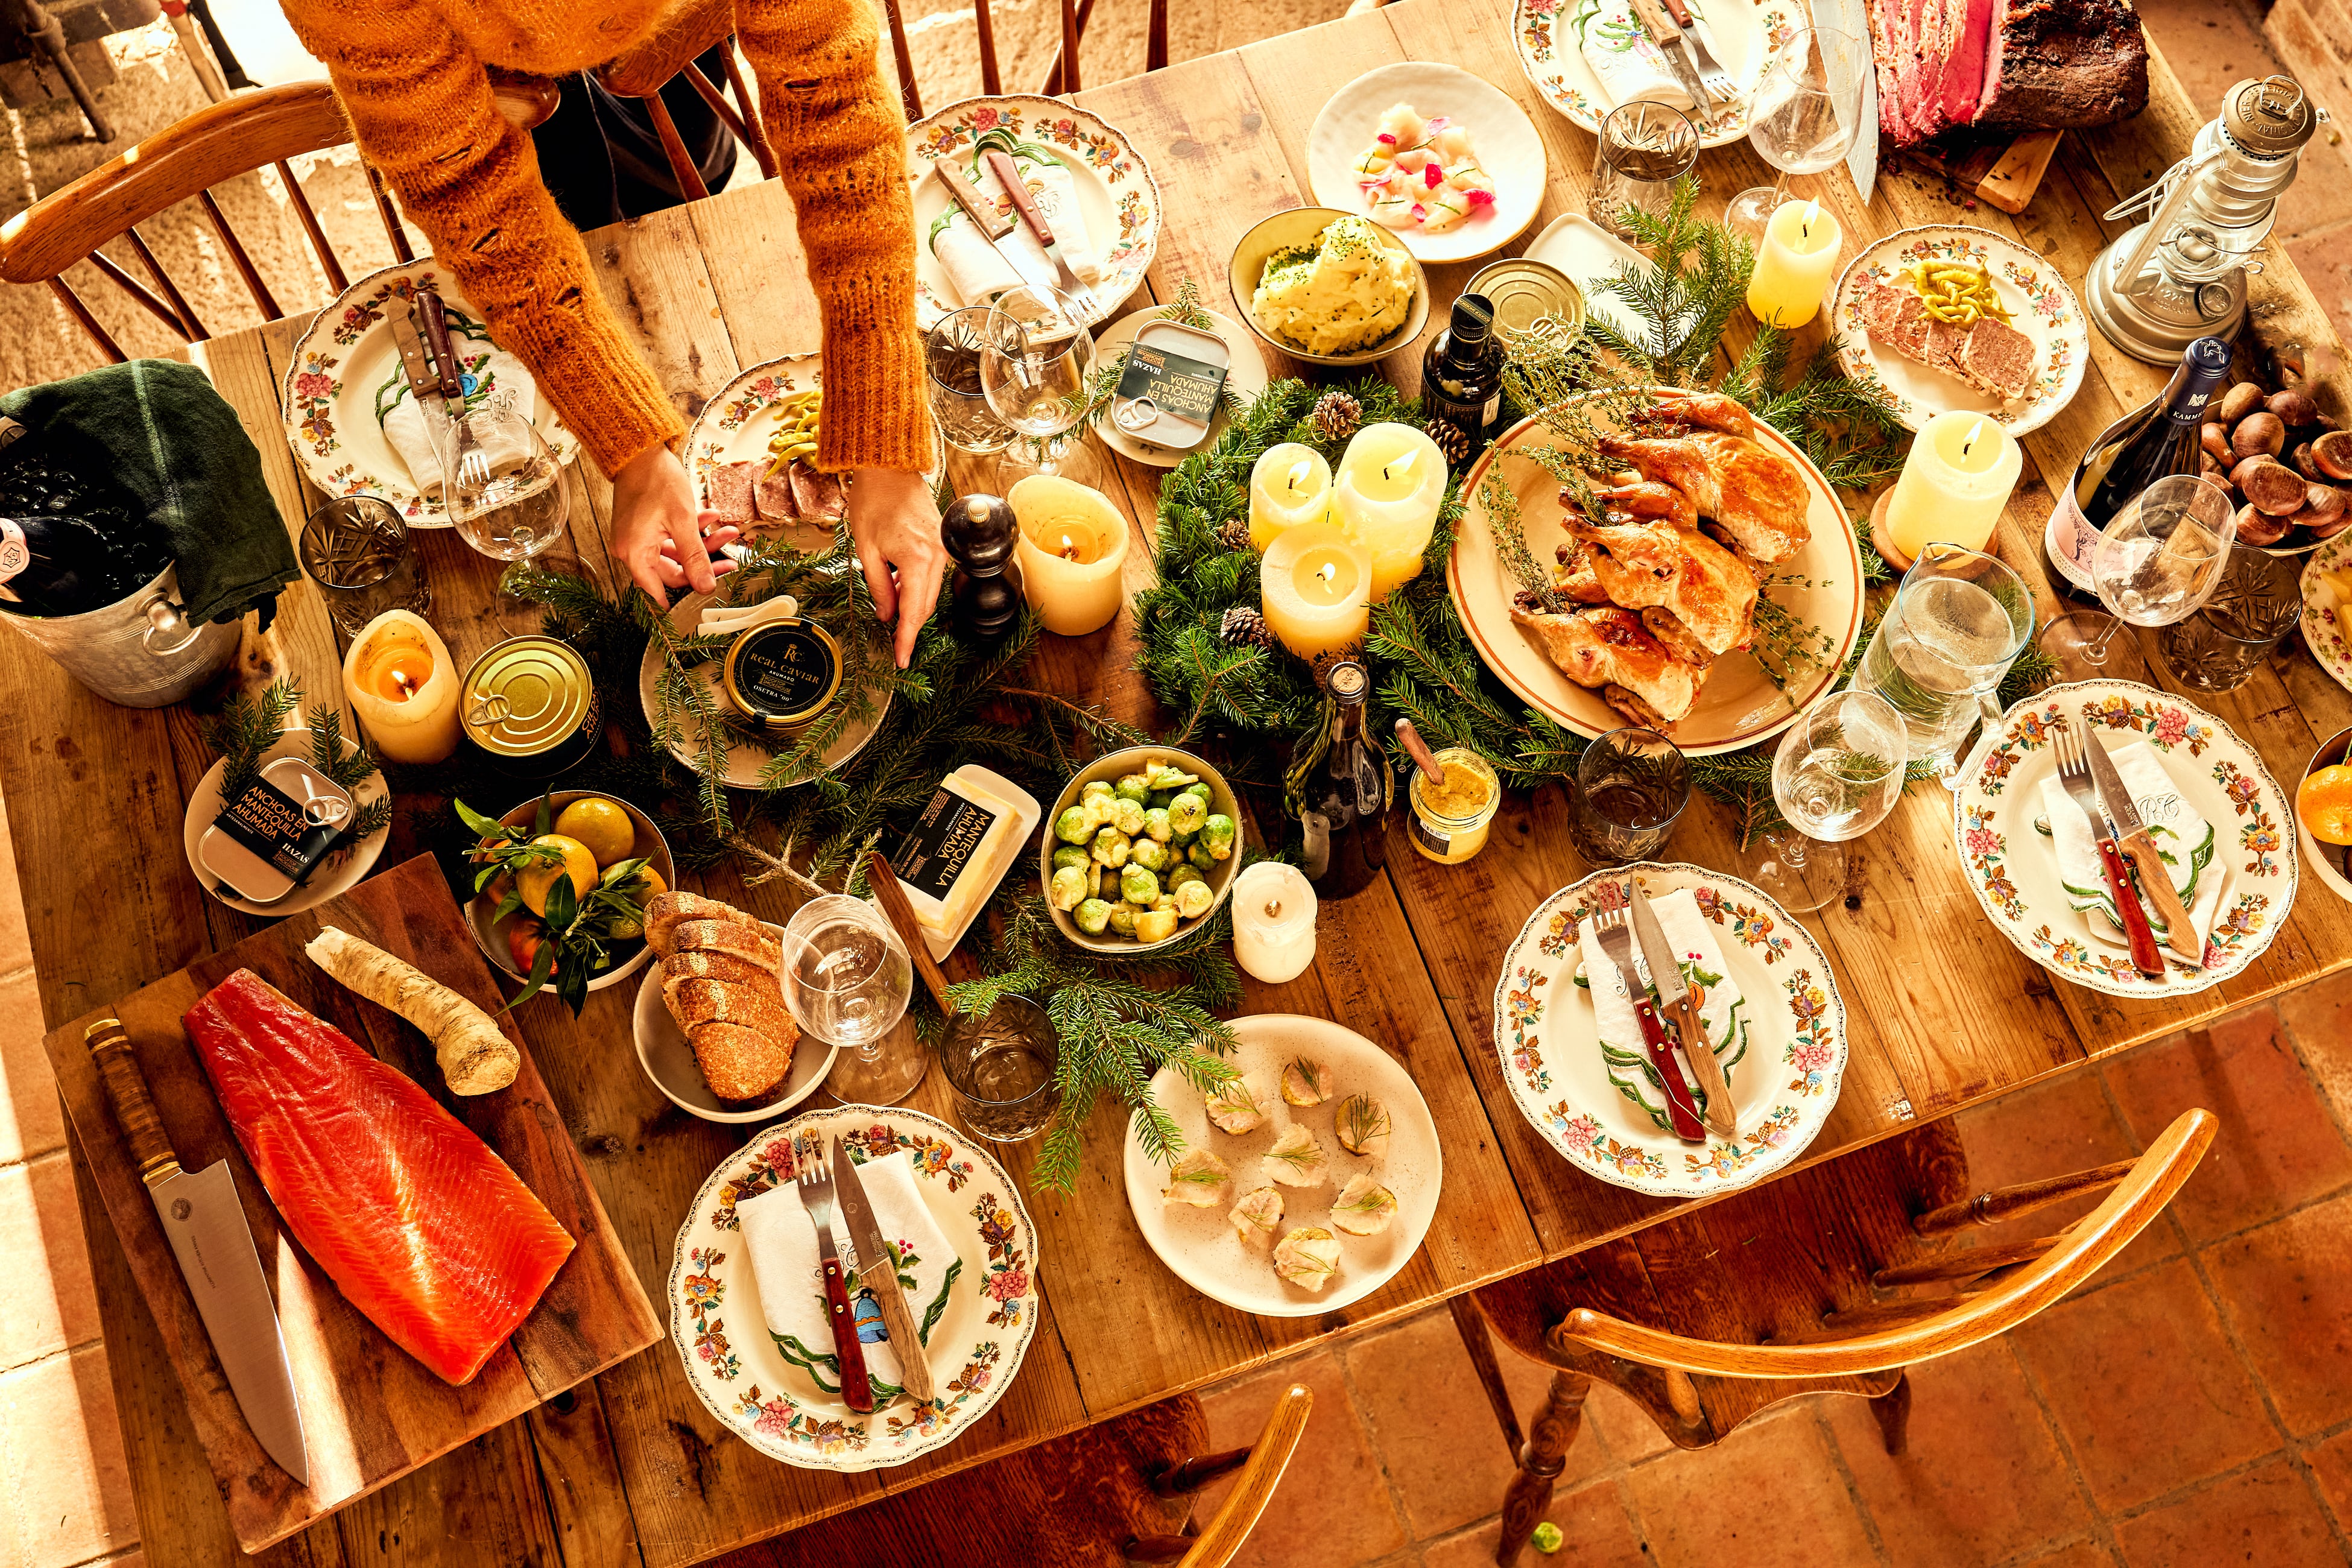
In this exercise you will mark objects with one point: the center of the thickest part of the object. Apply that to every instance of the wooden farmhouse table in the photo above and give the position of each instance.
(630, 1468)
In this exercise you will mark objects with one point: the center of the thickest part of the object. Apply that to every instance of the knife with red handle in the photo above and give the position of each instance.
(817, 1198)
(2074, 778)
(1681, 1111)
(1008, 174)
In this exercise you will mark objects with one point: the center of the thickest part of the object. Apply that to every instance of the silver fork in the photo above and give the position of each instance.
(1711, 73)
(2075, 776)
(816, 1197)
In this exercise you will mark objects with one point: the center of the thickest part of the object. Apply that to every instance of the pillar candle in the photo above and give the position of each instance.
(1315, 583)
(1290, 485)
(1391, 483)
(1273, 921)
(402, 683)
(1792, 269)
(1072, 553)
(1954, 484)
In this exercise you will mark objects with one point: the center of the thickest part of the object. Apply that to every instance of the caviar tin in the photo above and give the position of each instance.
(782, 672)
(529, 705)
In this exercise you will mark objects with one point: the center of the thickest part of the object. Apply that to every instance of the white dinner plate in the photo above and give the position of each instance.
(2014, 874)
(1501, 135)
(1746, 35)
(1199, 1245)
(1590, 256)
(338, 876)
(2326, 617)
(1820, 586)
(342, 360)
(774, 1404)
(2040, 303)
(729, 431)
(1244, 379)
(668, 1062)
(1116, 195)
(1785, 1086)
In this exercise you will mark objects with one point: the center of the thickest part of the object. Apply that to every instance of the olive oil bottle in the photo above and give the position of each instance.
(1342, 792)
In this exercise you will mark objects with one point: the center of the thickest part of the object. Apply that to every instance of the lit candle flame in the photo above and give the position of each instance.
(1329, 571)
(1298, 472)
(1805, 221)
(1976, 431)
(1069, 550)
(1274, 909)
(400, 678)
(1400, 466)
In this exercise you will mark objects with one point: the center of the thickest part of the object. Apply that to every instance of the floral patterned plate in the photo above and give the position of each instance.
(2040, 305)
(344, 358)
(1553, 1061)
(1116, 195)
(1199, 1245)
(2328, 614)
(776, 1402)
(2009, 863)
(728, 429)
(1550, 35)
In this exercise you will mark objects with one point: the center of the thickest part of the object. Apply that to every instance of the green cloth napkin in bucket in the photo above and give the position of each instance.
(159, 429)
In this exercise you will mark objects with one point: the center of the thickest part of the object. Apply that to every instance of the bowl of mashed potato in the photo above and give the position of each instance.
(1328, 287)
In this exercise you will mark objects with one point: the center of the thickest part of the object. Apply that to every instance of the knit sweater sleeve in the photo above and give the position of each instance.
(841, 141)
(422, 112)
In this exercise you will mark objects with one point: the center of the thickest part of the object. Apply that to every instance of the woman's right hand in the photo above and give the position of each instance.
(659, 536)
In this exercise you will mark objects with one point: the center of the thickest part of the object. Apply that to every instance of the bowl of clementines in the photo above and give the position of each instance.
(2322, 813)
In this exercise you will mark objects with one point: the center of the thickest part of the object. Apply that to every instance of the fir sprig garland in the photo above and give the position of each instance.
(250, 724)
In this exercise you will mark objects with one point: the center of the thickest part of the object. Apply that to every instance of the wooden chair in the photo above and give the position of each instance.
(1095, 1499)
(1786, 1289)
(251, 131)
(1061, 77)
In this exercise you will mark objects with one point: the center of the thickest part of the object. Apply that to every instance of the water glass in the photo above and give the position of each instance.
(505, 489)
(847, 980)
(1958, 618)
(358, 552)
(1837, 773)
(999, 1069)
(1802, 119)
(1631, 785)
(1036, 361)
(952, 372)
(1645, 148)
(2258, 601)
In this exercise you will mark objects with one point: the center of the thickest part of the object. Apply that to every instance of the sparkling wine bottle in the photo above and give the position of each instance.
(68, 543)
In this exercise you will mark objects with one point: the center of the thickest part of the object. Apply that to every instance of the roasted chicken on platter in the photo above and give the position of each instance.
(1610, 648)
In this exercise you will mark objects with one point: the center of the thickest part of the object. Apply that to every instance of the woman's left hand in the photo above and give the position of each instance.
(895, 527)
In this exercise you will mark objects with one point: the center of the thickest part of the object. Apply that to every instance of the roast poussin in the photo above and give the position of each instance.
(1754, 496)
(1610, 649)
(1640, 563)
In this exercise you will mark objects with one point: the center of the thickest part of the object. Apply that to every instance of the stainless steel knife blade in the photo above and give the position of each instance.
(1721, 1114)
(880, 1276)
(416, 360)
(2132, 838)
(2121, 809)
(1008, 174)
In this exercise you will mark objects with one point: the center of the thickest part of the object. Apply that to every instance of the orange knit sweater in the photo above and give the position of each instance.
(410, 74)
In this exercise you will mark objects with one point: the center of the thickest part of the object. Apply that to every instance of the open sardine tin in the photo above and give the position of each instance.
(1167, 394)
(266, 843)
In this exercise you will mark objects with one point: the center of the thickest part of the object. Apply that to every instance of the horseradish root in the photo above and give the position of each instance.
(476, 1057)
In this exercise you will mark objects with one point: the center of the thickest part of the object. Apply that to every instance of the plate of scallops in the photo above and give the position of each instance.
(1303, 1183)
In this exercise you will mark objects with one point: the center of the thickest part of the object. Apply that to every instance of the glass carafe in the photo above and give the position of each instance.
(1957, 621)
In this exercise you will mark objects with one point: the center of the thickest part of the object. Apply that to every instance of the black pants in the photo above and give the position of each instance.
(603, 160)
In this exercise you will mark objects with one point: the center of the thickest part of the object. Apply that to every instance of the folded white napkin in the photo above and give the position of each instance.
(1721, 1008)
(781, 1241)
(1627, 64)
(978, 272)
(488, 373)
(2184, 839)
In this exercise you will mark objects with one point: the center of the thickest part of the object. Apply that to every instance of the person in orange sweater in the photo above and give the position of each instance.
(413, 77)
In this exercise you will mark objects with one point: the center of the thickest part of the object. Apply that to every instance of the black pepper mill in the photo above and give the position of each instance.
(980, 532)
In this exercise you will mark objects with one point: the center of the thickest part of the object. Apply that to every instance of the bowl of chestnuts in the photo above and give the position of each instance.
(2286, 464)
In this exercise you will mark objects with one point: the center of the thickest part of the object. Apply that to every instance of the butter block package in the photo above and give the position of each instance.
(959, 847)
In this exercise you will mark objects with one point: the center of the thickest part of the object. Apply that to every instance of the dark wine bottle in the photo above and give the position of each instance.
(2145, 445)
(1344, 792)
(1462, 372)
(69, 542)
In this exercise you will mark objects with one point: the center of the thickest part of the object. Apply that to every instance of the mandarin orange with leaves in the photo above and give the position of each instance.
(2324, 804)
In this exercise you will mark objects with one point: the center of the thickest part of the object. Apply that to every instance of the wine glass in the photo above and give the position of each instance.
(1838, 773)
(847, 980)
(1803, 115)
(1036, 360)
(2157, 559)
(504, 488)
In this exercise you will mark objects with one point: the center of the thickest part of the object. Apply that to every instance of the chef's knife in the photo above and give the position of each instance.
(1008, 174)
(881, 1276)
(2132, 838)
(205, 1225)
(1675, 1001)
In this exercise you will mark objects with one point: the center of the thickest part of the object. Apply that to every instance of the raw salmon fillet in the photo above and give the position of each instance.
(422, 1225)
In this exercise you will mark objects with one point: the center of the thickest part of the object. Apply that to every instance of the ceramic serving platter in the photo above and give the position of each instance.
(1820, 586)
(1199, 1245)
(1116, 192)
(732, 427)
(1501, 134)
(340, 873)
(1551, 37)
(340, 363)
(1785, 1086)
(2040, 305)
(2328, 614)
(792, 1410)
(1244, 379)
(2010, 865)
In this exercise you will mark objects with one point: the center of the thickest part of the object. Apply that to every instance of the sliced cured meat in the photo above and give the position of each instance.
(2005, 65)
(731, 492)
(419, 1223)
(819, 496)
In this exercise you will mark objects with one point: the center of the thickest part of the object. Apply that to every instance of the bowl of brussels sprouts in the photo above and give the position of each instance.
(1140, 847)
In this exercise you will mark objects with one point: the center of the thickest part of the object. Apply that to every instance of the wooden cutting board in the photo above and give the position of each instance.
(2004, 174)
(371, 1413)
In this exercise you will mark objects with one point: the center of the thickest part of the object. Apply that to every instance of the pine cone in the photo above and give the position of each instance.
(1336, 415)
(1244, 625)
(1451, 440)
(1233, 532)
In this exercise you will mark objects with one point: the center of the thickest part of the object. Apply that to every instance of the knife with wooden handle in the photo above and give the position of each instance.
(1008, 174)
(1722, 1113)
(880, 1273)
(2132, 838)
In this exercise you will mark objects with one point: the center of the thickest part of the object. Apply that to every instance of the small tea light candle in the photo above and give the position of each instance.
(1391, 483)
(1071, 551)
(1315, 583)
(1290, 485)
(400, 680)
(1792, 269)
(1273, 921)
(1954, 484)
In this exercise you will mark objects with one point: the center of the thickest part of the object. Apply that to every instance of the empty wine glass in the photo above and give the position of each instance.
(505, 490)
(847, 980)
(1036, 361)
(1838, 772)
(2157, 560)
(1802, 118)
